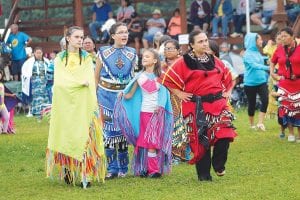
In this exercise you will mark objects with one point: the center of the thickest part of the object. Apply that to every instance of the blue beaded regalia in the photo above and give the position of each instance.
(116, 72)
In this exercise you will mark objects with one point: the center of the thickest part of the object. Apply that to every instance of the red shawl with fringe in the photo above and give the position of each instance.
(181, 75)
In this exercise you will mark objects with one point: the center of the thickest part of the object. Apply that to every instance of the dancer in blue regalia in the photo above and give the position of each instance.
(112, 76)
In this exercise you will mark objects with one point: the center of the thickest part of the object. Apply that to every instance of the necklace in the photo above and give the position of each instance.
(203, 58)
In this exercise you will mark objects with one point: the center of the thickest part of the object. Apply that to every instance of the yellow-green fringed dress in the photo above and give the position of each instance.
(75, 137)
(273, 105)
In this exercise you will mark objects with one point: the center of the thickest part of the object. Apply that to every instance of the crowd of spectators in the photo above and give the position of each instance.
(155, 32)
(227, 15)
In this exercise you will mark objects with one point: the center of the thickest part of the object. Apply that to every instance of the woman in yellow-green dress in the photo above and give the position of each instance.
(75, 143)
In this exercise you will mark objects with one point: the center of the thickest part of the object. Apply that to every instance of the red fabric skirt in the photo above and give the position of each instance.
(189, 108)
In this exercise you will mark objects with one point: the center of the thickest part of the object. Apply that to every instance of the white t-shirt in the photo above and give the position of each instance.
(150, 99)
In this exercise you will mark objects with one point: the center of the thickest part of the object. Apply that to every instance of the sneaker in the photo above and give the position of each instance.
(298, 140)
(214, 36)
(235, 35)
(253, 127)
(261, 127)
(122, 175)
(155, 175)
(281, 135)
(110, 176)
(220, 173)
(29, 115)
(291, 138)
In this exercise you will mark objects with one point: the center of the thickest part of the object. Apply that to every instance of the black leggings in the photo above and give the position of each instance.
(263, 93)
(217, 160)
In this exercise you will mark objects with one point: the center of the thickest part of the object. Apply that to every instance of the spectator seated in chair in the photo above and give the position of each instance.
(200, 14)
(101, 13)
(264, 18)
(222, 12)
(125, 11)
(154, 25)
(174, 26)
(239, 18)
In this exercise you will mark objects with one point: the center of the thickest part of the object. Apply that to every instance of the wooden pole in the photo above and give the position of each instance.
(46, 8)
(78, 14)
(11, 18)
(280, 15)
(182, 6)
(15, 13)
(183, 17)
(296, 27)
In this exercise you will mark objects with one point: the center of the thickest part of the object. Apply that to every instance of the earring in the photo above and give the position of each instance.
(193, 53)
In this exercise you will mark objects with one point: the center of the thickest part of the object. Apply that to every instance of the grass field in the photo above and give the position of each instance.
(260, 166)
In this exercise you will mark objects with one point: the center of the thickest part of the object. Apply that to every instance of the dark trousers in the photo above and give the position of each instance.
(263, 93)
(239, 21)
(217, 160)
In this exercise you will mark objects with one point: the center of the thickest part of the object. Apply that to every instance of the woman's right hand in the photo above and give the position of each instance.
(85, 84)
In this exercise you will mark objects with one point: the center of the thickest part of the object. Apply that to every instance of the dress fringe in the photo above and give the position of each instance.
(161, 122)
(46, 111)
(122, 122)
(91, 167)
(159, 131)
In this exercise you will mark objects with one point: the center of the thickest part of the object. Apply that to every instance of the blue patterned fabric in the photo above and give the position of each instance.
(109, 57)
(50, 79)
(114, 74)
(117, 68)
(39, 92)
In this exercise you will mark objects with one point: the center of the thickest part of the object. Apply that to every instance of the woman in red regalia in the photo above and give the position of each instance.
(288, 58)
(203, 83)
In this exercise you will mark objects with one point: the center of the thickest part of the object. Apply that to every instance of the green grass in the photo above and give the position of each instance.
(259, 166)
